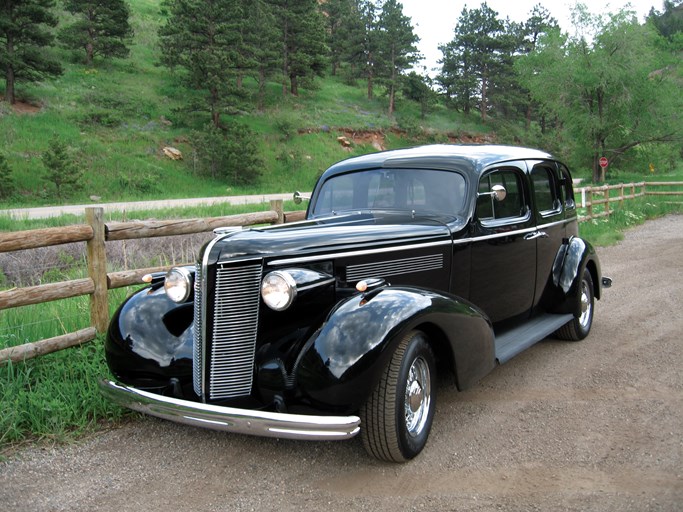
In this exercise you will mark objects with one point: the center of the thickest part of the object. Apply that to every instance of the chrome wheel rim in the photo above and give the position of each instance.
(586, 305)
(417, 397)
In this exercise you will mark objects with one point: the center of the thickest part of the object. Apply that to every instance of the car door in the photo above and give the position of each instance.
(503, 257)
(548, 212)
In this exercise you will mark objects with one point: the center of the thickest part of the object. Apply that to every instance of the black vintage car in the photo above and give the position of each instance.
(410, 263)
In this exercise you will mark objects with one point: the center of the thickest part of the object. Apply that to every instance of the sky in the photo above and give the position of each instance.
(434, 20)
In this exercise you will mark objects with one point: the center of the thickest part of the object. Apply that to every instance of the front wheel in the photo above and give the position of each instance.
(579, 327)
(397, 417)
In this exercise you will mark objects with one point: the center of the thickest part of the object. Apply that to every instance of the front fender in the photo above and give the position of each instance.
(344, 359)
(149, 340)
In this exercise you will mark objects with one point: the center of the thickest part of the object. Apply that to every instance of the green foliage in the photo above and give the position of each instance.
(7, 185)
(621, 97)
(24, 36)
(396, 48)
(62, 170)
(203, 39)
(101, 28)
(229, 154)
(302, 38)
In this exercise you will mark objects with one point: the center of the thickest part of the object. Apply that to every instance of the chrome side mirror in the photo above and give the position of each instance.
(498, 193)
(299, 197)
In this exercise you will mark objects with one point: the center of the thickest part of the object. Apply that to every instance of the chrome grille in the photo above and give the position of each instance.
(235, 324)
(198, 324)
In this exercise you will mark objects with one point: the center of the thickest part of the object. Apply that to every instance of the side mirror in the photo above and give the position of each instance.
(498, 193)
(299, 197)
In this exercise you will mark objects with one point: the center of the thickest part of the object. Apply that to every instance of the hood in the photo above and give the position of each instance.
(334, 234)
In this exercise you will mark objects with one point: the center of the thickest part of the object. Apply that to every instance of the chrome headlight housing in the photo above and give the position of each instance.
(278, 290)
(178, 284)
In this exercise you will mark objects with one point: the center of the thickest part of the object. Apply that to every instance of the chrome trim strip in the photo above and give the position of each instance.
(493, 237)
(305, 259)
(551, 224)
(230, 419)
(202, 334)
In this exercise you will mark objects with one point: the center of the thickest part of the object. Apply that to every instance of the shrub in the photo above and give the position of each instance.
(62, 170)
(228, 153)
(7, 185)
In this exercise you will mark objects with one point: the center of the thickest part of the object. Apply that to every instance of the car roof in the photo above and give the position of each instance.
(463, 157)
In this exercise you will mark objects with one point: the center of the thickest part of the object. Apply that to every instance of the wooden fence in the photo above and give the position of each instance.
(96, 233)
(598, 200)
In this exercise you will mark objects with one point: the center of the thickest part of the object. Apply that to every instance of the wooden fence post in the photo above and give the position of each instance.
(97, 270)
(589, 203)
(606, 196)
(276, 205)
(621, 196)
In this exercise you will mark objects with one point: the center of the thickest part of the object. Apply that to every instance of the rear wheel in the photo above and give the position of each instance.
(397, 417)
(579, 327)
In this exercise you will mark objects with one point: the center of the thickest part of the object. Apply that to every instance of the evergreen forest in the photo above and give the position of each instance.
(110, 100)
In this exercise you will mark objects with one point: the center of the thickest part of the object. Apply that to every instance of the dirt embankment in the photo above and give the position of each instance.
(596, 425)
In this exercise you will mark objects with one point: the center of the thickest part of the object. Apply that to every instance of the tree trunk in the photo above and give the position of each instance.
(294, 84)
(9, 72)
(261, 89)
(482, 107)
(370, 77)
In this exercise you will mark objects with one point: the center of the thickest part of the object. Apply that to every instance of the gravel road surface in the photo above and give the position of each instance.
(590, 426)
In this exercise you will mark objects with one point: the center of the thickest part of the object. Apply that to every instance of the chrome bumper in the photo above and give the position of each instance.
(229, 419)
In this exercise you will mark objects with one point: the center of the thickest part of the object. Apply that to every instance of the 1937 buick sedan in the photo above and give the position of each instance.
(436, 259)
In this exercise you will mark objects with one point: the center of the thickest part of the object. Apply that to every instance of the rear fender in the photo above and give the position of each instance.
(342, 362)
(571, 260)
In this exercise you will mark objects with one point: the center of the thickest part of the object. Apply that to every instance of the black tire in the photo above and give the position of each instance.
(579, 327)
(397, 416)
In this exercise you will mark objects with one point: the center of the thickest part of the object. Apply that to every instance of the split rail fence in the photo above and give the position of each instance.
(597, 202)
(95, 232)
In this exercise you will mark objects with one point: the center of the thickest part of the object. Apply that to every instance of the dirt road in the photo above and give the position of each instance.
(595, 425)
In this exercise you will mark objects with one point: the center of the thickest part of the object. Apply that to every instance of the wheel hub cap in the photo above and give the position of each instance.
(417, 397)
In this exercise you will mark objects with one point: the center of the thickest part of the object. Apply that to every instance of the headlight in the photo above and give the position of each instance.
(178, 284)
(278, 290)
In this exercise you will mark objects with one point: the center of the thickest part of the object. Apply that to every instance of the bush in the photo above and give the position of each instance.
(7, 185)
(62, 169)
(228, 153)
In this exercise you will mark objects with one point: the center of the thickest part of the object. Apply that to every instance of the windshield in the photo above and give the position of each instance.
(420, 190)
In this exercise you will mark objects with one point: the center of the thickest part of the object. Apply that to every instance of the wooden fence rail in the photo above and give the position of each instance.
(96, 233)
(603, 196)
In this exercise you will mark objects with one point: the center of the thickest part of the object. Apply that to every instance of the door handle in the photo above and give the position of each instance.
(535, 235)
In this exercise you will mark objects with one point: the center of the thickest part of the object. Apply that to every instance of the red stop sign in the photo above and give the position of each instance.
(603, 162)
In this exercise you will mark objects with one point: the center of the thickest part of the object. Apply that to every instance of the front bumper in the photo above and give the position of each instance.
(230, 419)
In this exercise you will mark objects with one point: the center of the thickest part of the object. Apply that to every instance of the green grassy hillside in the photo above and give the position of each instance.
(118, 116)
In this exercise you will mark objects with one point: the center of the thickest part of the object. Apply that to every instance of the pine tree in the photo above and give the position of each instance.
(62, 171)
(396, 50)
(8, 186)
(473, 59)
(101, 28)
(302, 37)
(24, 35)
(203, 37)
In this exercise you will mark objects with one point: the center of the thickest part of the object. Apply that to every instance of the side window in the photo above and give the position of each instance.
(566, 189)
(514, 203)
(545, 190)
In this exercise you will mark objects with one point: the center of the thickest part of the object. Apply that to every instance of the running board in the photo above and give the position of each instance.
(512, 342)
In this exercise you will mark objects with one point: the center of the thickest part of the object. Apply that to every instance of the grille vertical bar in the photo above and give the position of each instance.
(198, 325)
(235, 325)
